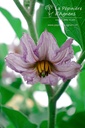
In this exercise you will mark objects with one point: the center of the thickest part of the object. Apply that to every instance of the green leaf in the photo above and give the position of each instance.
(16, 84)
(4, 121)
(14, 22)
(18, 119)
(3, 50)
(3, 53)
(77, 94)
(46, 20)
(40, 1)
(74, 121)
(81, 83)
(7, 92)
(73, 19)
(76, 49)
(44, 124)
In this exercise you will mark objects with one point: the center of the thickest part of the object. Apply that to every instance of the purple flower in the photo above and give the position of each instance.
(45, 62)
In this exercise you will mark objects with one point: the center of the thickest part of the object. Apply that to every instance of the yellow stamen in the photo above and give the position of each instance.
(42, 65)
(39, 68)
(49, 70)
(44, 68)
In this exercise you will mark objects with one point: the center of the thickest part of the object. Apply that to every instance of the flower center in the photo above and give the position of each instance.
(44, 68)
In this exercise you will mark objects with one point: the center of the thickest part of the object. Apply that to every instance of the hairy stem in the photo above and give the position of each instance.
(29, 20)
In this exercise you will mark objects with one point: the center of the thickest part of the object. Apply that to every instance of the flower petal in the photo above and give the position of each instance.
(68, 70)
(28, 47)
(46, 46)
(65, 53)
(51, 79)
(31, 76)
(15, 62)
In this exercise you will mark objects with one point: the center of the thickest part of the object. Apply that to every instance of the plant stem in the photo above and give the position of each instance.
(52, 113)
(51, 106)
(81, 58)
(32, 5)
(29, 20)
(49, 90)
(61, 90)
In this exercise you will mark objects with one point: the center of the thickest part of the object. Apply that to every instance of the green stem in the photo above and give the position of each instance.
(52, 106)
(49, 90)
(81, 58)
(29, 20)
(61, 90)
(26, 4)
(32, 5)
(52, 113)
(64, 86)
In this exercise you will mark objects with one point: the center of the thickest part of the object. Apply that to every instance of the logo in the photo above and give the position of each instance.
(49, 9)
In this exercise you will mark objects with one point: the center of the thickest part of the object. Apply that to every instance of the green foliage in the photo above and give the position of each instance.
(14, 22)
(4, 121)
(40, 1)
(74, 121)
(18, 119)
(76, 49)
(36, 118)
(3, 53)
(74, 20)
(16, 84)
(6, 93)
(44, 124)
(46, 20)
(77, 94)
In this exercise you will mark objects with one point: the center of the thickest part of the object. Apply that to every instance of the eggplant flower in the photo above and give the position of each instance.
(45, 62)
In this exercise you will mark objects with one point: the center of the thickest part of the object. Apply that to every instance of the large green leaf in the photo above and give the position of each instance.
(4, 121)
(76, 98)
(46, 20)
(77, 94)
(14, 22)
(81, 84)
(73, 19)
(18, 119)
(74, 121)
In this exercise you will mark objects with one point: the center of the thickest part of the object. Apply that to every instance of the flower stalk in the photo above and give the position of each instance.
(52, 113)
(51, 106)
